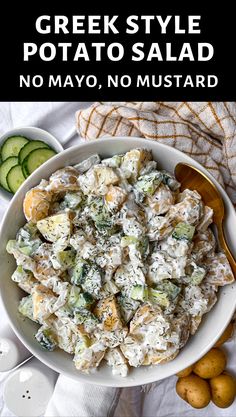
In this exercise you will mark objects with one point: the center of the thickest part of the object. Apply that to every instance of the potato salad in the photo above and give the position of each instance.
(117, 264)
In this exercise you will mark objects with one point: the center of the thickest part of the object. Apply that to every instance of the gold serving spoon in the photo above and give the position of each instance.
(190, 177)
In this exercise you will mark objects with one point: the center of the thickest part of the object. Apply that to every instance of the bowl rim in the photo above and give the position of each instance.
(35, 128)
(24, 188)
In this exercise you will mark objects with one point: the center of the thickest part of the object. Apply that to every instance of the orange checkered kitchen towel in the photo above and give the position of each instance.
(205, 131)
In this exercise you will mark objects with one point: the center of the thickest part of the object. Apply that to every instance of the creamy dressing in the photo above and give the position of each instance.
(120, 265)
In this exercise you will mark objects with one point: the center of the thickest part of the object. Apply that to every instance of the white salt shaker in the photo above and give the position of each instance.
(12, 351)
(28, 389)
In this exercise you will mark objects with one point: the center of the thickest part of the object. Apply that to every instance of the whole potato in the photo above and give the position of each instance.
(225, 335)
(185, 372)
(223, 389)
(210, 365)
(194, 390)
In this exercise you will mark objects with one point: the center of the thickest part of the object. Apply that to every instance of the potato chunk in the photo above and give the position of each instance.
(115, 197)
(134, 161)
(36, 204)
(106, 175)
(64, 179)
(55, 227)
(218, 270)
(43, 302)
(107, 311)
(88, 353)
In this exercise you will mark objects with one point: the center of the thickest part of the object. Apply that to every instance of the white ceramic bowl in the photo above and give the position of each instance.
(213, 323)
(34, 133)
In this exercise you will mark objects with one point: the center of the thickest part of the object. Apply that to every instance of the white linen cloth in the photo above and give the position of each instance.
(74, 398)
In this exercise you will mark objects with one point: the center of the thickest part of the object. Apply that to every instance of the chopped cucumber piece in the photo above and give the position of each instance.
(85, 300)
(28, 232)
(139, 292)
(128, 307)
(169, 288)
(80, 272)
(128, 240)
(183, 231)
(36, 158)
(73, 200)
(159, 297)
(11, 246)
(28, 237)
(93, 281)
(100, 214)
(15, 178)
(83, 343)
(12, 146)
(26, 307)
(77, 299)
(66, 258)
(19, 270)
(85, 165)
(113, 162)
(147, 184)
(142, 244)
(84, 316)
(26, 250)
(198, 275)
(29, 147)
(46, 338)
(73, 296)
(20, 275)
(170, 181)
(4, 170)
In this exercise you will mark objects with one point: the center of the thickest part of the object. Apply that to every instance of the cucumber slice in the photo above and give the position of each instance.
(36, 158)
(12, 146)
(5, 168)
(29, 147)
(24, 169)
(15, 178)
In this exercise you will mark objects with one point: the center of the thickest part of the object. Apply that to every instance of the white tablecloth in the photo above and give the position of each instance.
(83, 400)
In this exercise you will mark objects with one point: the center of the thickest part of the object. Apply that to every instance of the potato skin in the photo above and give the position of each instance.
(36, 204)
(225, 335)
(194, 390)
(223, 389)
(210, 365)
(185, 372)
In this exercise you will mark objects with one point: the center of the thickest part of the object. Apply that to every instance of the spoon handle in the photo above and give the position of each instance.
(225, 247)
